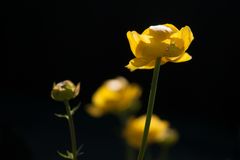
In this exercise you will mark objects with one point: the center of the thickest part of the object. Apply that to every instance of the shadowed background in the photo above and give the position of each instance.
(46, 42)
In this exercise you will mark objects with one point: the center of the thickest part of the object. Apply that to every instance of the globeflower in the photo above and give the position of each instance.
(114, 96)
(159, 131)
(65, 90)
(164, 41)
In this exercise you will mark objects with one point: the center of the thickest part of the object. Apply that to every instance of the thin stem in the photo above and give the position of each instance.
(72, 130)
(149, 109)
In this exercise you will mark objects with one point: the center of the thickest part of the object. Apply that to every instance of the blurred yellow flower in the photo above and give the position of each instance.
(159, 131)
(114, 96)
(164, 41)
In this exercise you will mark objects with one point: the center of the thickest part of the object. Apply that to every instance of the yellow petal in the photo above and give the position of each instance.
(185, 34)
(131, 67)
(94, 111)
(133, 38)
(163, 60)
(174, 29)
(182, 58)
(150, 65)
(159, 32)
(152, 49)
(140, 63)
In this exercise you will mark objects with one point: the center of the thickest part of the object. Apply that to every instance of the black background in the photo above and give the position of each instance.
(47, 41)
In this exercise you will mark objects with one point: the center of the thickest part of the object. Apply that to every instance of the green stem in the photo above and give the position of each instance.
(72, 130)
(149, 109)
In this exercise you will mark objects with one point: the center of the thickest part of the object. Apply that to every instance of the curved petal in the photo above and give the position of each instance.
(187, 36)
(173, 28)
(133, 38)
(151, 64)
(146, 32)
(140, 63)
(164, 60)
(159, 32)
(182, 58)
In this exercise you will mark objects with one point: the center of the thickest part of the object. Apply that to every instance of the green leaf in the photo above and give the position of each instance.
(64, 155)
(61, 115)
(70, 154)
(75, 108)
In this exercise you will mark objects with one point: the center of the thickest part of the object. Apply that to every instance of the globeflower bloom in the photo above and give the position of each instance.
(159, 131)
(114, 96)
(164, 41)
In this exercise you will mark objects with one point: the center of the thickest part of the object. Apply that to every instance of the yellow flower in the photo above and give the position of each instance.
(65, 90)
(164, 41)
(159, 131)
(114, 96)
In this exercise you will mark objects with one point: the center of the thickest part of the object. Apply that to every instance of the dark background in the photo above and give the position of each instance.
(47, 41)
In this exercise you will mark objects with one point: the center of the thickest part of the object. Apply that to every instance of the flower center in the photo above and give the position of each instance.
(160, 28)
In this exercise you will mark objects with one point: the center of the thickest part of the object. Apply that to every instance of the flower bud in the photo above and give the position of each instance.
(65, 90)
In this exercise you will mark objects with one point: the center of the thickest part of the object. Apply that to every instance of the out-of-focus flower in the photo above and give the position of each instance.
(65, 90)
(164, 41)
(114, 96)
(159, 131)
